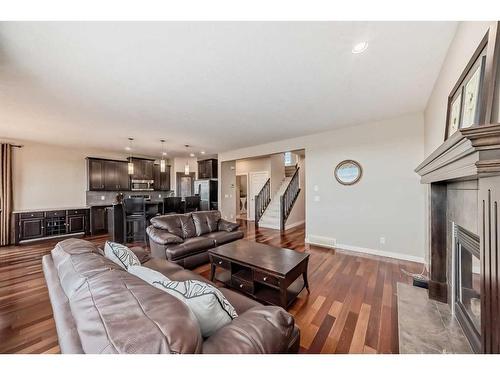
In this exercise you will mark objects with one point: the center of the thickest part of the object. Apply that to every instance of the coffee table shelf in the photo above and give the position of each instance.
(269, 274)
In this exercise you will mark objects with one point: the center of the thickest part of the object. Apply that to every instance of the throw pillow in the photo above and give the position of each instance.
(212, 310)
(121, 255)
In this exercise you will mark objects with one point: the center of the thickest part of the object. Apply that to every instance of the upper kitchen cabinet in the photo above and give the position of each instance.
(95, 173)
(207, 168)
(161, 179)
(143, 169)
(107, 174)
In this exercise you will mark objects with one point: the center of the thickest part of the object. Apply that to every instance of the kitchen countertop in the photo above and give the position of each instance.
(52, 209)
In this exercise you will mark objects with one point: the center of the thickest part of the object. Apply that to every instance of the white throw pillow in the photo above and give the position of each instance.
(212, 310)
(120, 254)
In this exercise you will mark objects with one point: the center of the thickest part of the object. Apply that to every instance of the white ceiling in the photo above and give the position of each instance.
(214, 85)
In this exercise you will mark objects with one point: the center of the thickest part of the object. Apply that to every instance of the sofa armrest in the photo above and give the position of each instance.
(227, 226)
(259, 330)
(162, 237)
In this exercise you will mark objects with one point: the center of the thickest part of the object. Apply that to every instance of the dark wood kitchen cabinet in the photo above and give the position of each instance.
(41, 224)
(95, 168)
(143, 169)
(207, 168)
(161, 179)
(107, 175)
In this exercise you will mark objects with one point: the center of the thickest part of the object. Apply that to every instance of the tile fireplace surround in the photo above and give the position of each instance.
(464, 179)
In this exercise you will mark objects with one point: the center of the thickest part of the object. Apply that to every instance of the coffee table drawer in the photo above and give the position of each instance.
(243, 285)
(268, 279)
(219, 262)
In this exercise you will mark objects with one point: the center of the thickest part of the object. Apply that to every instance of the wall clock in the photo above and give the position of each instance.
(348, 172)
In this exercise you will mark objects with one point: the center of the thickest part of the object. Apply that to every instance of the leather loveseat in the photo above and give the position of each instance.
(186, 238)
(101, 308)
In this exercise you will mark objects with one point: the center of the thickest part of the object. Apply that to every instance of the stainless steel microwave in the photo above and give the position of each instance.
(141, 185)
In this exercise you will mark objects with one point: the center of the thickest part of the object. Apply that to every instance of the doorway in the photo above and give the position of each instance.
(241, 194)
(185, 184)
(256, 182)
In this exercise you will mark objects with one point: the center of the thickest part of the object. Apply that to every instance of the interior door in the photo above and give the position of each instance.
(257, 181)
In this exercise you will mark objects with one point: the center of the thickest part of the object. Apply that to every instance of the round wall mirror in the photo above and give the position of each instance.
(348, 172)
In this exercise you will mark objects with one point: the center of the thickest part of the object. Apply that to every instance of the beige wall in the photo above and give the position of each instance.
(277, 166)
(467, 38)
(227, 189)
(389, 200)
(47, 176)
(177, 165)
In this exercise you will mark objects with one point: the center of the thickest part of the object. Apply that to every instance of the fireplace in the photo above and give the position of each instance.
(467, 288)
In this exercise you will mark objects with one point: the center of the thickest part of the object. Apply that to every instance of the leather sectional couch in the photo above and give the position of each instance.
(186, 238)
(101, 308)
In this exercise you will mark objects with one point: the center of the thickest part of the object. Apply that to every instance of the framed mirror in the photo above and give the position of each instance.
(348, 172)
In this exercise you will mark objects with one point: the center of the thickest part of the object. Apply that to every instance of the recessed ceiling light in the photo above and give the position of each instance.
(127, 148)
(202, 152)
(192, 155)
(360, 47)
(164, 153)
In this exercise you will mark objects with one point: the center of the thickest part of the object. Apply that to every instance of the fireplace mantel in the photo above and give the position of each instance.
(467, 155)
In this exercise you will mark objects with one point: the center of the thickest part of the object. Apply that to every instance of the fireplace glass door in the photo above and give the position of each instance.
(467, 286)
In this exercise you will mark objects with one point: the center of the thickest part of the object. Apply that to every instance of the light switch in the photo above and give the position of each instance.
(316, 198)
(316, 188)
(226, 195)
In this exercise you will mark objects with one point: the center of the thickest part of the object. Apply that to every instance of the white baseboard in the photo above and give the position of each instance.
(331, 244)
(293, 225)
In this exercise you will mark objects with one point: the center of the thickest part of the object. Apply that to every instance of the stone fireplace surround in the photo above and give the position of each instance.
(464, 179)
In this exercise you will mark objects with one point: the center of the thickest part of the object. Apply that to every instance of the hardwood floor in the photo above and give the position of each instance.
(351, 309)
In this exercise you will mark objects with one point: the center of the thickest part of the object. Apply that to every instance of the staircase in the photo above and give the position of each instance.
(278, 209)
(271, 217)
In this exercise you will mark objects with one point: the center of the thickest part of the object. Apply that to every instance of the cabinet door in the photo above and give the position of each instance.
(213, 168)
(122, 178)
(98, 220)
(157, 177)
(96, 174)
(31, 228)
(76, 223)
(202, 169)
(110, 175)
(165, 179)
(148, 169)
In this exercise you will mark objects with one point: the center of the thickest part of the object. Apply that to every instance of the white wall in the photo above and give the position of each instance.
(387, 202)
(467, 38)
(47, 176)
(177, 165)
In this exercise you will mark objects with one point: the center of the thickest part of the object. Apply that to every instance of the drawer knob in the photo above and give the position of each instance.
(220, 261)
(241, 285)
(265, 278)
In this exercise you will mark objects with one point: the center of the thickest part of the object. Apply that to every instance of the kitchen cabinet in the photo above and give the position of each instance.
(107, 175)
(41, 224)
(95, 174)
(161, 179)
(143, 169)
(207, 168)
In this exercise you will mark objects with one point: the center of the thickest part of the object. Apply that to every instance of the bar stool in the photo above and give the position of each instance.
(134, 210)
(172, 205)
(193, 203)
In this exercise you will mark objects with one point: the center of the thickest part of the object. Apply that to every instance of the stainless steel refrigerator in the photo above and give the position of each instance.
(207, 190)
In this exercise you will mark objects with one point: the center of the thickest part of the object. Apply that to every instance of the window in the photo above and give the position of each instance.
(288, 158)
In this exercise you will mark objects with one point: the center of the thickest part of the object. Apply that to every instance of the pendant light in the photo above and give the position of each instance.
(130, 165)
(186, 167)
(163, 162)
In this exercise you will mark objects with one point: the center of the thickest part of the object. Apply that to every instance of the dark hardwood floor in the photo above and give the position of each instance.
(351, 309)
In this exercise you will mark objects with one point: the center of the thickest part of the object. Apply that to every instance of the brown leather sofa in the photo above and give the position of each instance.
(101, 308)
(186, 238)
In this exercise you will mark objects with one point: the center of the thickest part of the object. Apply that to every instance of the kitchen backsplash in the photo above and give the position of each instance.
(96, 198)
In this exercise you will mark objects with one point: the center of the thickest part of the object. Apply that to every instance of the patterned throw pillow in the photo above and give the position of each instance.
(212, 310)
(121, 255)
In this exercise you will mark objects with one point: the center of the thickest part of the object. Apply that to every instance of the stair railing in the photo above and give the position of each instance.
(262, 200)
(287, 200)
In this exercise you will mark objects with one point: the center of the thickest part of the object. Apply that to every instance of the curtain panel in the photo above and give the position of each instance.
(5, 193)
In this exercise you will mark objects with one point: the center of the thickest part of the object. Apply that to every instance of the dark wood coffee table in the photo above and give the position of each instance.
(267, 273)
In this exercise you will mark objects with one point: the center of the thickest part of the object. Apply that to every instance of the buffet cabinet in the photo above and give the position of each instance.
(44, 224)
